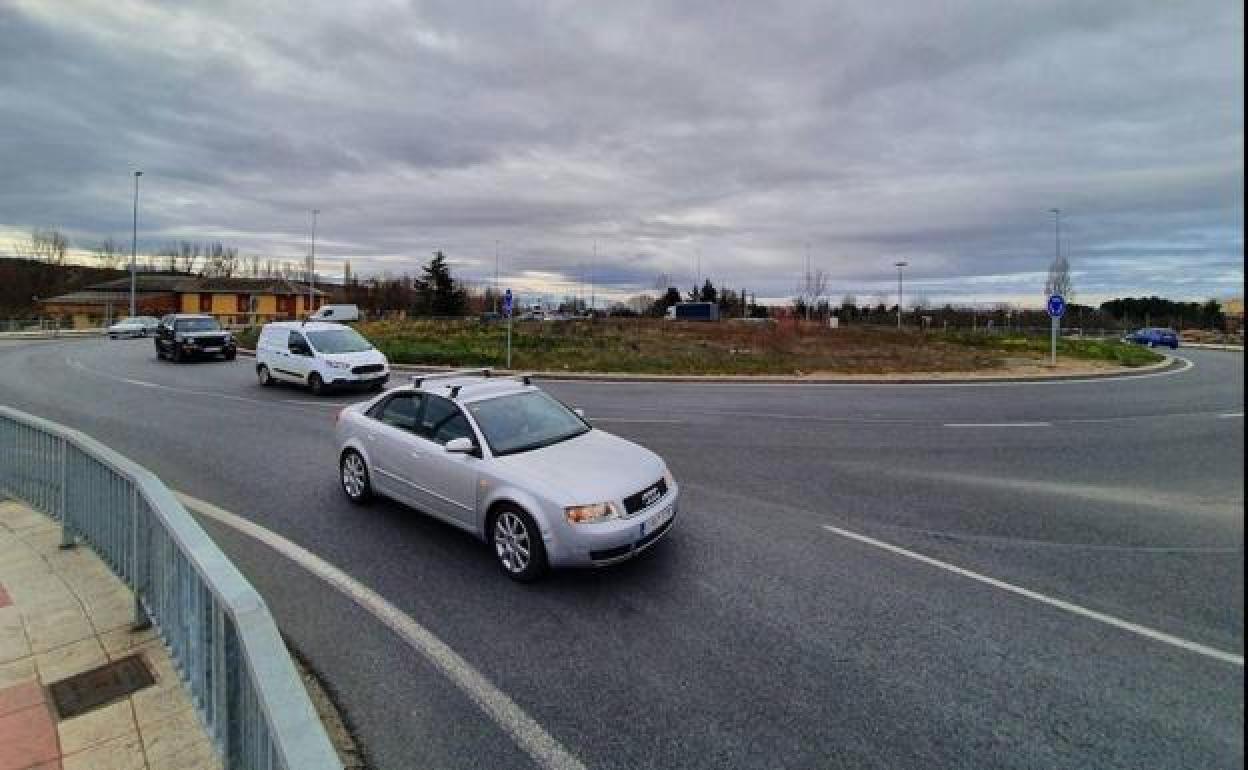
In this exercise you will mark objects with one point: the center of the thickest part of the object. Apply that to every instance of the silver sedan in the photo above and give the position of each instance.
(504, 460)
(137, 326)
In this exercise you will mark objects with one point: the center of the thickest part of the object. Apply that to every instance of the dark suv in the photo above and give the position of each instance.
(187, 336)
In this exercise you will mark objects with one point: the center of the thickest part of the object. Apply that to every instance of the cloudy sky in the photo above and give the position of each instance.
(751, 134)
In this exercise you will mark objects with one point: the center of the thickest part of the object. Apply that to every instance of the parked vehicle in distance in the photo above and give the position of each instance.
(1154, 337)
(693, 311)
(182, 336)
(489, 317)
(320, 355)
(135, 326)
(338, 313)
(502, 459)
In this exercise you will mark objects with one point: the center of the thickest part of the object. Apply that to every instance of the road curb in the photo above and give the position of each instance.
(1166, 364)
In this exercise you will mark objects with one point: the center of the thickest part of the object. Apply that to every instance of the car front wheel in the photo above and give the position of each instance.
(316, 384)
(518, 545)
(262, 374)
(354, 475)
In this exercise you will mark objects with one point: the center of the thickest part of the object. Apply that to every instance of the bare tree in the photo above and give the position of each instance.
(1059, 281)
(811, 289)
(108, 253)
(50, 246)
(188, 255)
(220, 261)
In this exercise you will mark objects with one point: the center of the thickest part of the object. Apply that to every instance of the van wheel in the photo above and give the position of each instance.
(177, 353)
(262, 374)
(230, 356)
(316, 384)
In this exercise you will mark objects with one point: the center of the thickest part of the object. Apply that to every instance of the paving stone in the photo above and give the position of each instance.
(27, 737)
(115, 720)
(74, 658)
(125, 753)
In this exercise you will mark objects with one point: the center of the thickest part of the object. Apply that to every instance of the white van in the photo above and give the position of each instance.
(338, 313)
(320, 355)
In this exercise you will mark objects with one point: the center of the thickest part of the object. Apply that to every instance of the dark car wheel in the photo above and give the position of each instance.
(230, 355)
(262, 374)
(518, 545)
(177, 353)
(160, 354)
(354, 476)
(316, 384)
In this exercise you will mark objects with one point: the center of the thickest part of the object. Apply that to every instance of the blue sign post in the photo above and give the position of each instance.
(1056, 308)
(507, 308)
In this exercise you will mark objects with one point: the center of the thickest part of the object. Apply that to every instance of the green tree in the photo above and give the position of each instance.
(440, 294)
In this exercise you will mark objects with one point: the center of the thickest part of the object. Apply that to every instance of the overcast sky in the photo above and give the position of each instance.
(859, 133)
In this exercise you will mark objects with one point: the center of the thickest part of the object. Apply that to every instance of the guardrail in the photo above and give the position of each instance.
(217, 627)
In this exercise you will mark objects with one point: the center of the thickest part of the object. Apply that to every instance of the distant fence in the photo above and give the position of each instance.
(217, 627)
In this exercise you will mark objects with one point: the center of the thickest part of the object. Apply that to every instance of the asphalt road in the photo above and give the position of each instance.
(754, 635)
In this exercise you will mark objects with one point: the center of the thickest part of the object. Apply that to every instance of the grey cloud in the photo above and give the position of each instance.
(939, 133)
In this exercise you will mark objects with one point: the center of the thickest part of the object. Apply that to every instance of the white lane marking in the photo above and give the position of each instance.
(541, 747)
(188, 391)
(1230, 415)
(998, 425)
(1135, 628)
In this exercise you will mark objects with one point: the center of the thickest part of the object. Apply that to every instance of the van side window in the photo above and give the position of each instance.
(295, 340)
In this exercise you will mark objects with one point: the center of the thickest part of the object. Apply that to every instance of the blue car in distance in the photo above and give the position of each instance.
(1154, 337)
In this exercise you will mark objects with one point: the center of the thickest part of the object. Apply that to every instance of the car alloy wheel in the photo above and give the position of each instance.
(518, 545)
(355, 478)
(316, 384)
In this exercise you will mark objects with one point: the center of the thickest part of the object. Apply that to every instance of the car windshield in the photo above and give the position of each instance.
(339, 341)
(524, 421)
(197, 325)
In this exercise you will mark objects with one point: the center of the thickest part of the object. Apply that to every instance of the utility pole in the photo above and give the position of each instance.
(900, 266)
(806, 290)
(496, 276)
(312, 264)
(134, 245)
(592, 297)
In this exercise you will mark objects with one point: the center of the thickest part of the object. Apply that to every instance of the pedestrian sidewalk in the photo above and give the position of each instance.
(63, 612)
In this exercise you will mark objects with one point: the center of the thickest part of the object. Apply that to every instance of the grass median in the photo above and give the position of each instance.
(653, 346)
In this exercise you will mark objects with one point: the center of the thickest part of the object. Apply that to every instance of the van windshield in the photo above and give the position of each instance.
(339, 341)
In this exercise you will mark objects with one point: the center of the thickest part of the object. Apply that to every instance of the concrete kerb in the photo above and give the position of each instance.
(1167, 363)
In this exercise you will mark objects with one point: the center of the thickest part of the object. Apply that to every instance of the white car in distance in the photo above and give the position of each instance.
(502, 459)
(135, 326)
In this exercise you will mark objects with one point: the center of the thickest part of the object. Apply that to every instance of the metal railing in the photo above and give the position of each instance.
(217, 627)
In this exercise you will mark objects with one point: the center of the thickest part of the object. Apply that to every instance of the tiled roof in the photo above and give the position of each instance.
(193, 284)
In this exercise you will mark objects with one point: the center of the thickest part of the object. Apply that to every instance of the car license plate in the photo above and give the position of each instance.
(212, 350)
(656, 522)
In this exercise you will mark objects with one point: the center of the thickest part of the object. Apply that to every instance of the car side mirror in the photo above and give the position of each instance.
(460, 446)
(579, 413)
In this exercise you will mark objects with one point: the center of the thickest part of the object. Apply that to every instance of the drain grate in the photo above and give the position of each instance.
(100, 686)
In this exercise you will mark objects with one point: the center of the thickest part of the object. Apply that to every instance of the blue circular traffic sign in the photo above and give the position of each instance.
(1057, 306)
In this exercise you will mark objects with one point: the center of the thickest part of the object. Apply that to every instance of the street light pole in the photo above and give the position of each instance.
(312, 265)
(134, 245)
(495, 276)
(1057, 233)
(899, 266)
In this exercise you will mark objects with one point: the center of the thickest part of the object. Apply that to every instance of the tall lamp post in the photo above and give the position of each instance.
(312, 265)
(134, 245)
(900, 266)
(1057, 233)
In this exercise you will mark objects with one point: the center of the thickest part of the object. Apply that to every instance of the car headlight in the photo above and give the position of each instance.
(338, 364)
(584, 514)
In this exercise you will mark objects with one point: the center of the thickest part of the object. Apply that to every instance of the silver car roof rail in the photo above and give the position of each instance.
(420, 379)
(527, 379)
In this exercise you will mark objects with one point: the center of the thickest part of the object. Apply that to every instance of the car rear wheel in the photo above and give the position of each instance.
(355, 483)
(177, 353)
(262, 374)
(316, 384)
(518, 545)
